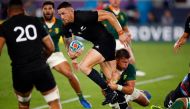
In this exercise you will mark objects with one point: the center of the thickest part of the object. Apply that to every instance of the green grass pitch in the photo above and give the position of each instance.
(156, 59)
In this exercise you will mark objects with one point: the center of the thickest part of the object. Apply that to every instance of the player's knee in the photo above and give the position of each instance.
(23, 100)
(70, 75)
(52, 96)
(84, 68)
(184, 101)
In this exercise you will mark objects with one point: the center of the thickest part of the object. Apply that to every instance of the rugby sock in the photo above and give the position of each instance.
(80, 95)
(95, 76)
(177, 105)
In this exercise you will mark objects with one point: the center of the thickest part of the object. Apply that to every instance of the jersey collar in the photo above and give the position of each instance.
(115, 11)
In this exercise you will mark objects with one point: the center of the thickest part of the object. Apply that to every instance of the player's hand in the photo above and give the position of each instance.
(71, 54)
(74, 55)
(112, 85)
(75, 64)
(177, 47)
(125, 39)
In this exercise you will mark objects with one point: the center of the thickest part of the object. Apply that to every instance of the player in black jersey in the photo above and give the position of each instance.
(87, 24)
(178, 98)
(181, 41)
(26, 39)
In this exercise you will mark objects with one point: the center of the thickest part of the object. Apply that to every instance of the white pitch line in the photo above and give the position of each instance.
(63, 102)
(137, 84)
(155, 80)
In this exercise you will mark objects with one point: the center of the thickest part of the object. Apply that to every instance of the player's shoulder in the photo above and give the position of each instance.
(41, 19)
(188, 18)
(131, 66)
(59, 21)
(107, 8)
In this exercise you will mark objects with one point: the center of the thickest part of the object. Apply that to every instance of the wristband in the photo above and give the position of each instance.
(119, 87)
(120, 32)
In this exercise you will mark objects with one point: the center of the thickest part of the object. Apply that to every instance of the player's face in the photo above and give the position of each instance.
(67, 15)
(122, 63)
(48, 12)
(115, 3)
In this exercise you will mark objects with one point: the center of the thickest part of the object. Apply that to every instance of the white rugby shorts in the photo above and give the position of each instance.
(55, 59)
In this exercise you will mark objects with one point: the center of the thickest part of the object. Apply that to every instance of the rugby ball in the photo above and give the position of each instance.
(76, 46)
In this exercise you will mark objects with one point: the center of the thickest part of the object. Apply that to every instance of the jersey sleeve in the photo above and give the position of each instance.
(41, 29)
(131, 72)
(125, 20)
(187, 25)
(1, 31)
(66, 32)
(86, 16)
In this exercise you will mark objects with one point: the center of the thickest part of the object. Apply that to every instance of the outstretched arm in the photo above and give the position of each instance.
(49, 46)
(104, 15)
(127, 89)
(181, 41)
(2, 42)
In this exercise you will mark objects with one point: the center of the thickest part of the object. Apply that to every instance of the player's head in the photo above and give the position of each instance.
(66, 12)
(122, 59)
(115, 3)
(15, 7)
(48, 10)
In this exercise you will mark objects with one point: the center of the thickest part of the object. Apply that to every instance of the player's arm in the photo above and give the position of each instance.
(49, 46)
(184, 37)
(67, 41)
(181, 41)
(104, 15)
(2, 42)
(128, 88)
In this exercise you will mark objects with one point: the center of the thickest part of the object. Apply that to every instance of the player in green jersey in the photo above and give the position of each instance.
(124, 83)
(114, 7)
(57, 59)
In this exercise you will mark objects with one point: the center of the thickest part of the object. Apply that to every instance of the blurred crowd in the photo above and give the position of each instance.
(165, 12)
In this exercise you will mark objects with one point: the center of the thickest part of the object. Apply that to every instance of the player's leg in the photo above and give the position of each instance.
(52, 97)
(181, 103)
(60, 64)
(86, 66)
(23, 99)
(22, 87)
(65, 69)
(106, 70)
(142, 99)
(45, 83)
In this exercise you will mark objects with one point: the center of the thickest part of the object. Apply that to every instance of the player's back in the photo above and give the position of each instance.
(23, 36)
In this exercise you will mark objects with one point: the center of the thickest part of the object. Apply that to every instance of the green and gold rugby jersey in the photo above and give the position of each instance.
(56, 31)
(121, 17)
(127, 75)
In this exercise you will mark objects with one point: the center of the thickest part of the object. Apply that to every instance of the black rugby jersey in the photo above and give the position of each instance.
(23, 36)
(86, 25)
(187, 25)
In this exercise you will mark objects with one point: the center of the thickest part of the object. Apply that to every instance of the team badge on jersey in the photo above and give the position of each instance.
(56, 30)
(124, 77)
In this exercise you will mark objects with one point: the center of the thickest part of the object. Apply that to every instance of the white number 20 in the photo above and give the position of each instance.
(23, 31)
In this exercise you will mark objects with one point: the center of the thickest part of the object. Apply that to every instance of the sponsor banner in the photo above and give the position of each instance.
(156, 32)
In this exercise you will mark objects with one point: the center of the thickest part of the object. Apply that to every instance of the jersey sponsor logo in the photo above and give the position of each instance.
(70, 30)
(56, 30)
(97, 46)
(124, 77)
(83, 28)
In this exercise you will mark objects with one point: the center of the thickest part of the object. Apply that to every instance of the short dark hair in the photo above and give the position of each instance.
(15, 3)
(122, 53)
(48, 3)
(64, 5)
